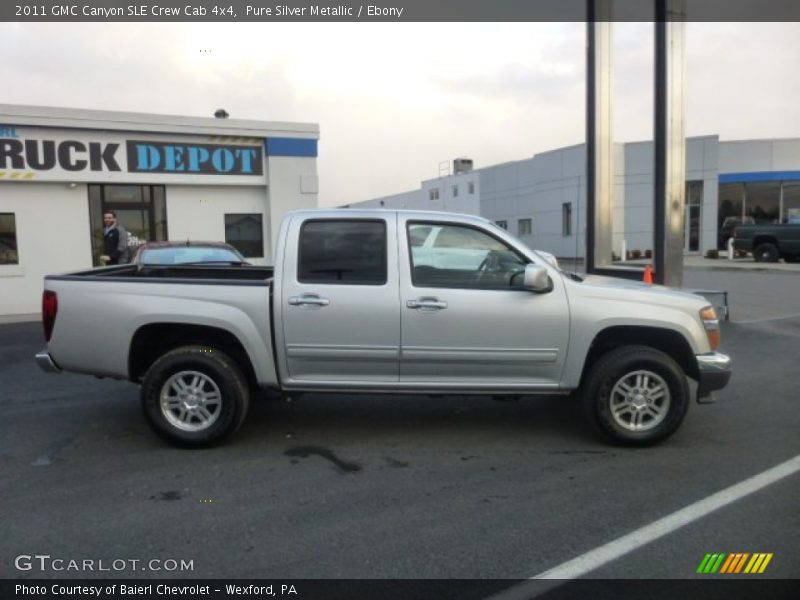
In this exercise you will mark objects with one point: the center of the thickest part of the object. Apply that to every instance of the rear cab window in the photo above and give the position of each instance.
(343, 252)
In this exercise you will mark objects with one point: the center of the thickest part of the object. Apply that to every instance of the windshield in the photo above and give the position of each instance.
(180, 255)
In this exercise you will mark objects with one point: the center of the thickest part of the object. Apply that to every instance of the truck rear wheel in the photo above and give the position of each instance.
(766, 252)
(636, 395)
(194, 396)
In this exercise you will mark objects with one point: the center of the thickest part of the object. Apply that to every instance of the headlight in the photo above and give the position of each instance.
(711, 324)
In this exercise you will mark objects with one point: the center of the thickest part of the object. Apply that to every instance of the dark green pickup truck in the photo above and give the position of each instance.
(768, 243)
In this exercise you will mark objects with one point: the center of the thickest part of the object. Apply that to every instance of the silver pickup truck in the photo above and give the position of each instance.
(385, 301)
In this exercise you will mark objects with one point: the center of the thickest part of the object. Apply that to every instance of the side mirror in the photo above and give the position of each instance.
(536, 279)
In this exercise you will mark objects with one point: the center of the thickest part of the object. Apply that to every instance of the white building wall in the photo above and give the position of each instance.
(413, 200)
(785, 155)
(293, 185)
(748, 156)
(619, 204)
(702, 164)
(52, 221)
(420, 199)
(537, 188)
(198, 212)
(638, 197)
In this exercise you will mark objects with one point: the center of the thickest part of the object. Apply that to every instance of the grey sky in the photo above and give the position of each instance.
(394, 100)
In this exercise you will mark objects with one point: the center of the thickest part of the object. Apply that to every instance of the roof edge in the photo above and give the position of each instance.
(50, 116)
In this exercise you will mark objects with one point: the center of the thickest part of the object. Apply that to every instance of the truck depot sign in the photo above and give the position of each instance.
(158, 157)
(44, 152)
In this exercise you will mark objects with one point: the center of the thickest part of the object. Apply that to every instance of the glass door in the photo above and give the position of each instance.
(691, 224)
(692, 217)
(140, 210)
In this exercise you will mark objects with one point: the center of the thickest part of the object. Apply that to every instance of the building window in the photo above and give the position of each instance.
(762, 201)
(731, 202)
(455, 191)
(694, 193)
(8, 239)
(524, 227)
(434, 193)
(791, 202)
(245, 233)
(343, 252)
(566, 219)
(471, 187)
(502, 224)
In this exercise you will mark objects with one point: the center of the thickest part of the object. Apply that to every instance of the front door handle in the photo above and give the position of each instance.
(427, 304)
(309, 300)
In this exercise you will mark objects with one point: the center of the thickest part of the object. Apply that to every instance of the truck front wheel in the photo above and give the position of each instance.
(636, 395)
(194, 396)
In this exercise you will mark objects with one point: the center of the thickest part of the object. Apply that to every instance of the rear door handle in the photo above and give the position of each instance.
(427, 304)
(309, 300)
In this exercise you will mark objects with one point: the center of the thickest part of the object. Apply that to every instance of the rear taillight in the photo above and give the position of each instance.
(49, 310)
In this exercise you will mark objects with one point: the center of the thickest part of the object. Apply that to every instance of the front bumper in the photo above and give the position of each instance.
(715, 372)
(46, 362)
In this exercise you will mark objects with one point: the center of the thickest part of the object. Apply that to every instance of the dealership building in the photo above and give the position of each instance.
(166, 177)
(542, 199)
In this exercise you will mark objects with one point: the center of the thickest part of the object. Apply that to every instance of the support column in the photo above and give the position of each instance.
(670, 142)
(599, 143)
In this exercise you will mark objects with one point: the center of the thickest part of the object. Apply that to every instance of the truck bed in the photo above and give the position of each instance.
(102, 311)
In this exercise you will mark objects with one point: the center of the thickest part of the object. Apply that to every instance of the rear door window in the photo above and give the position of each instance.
(340, 251)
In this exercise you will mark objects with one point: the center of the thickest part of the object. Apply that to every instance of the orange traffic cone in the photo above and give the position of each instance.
(648, 274)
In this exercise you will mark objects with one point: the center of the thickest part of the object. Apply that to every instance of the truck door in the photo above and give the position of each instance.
(339, 302)
(465, 319)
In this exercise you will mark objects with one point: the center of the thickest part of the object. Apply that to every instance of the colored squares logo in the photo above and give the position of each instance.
(737, 562)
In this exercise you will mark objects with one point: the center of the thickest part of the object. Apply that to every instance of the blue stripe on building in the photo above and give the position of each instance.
(759, 176)
(291, 147)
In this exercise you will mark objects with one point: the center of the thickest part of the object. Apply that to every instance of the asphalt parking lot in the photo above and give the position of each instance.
(403, 487)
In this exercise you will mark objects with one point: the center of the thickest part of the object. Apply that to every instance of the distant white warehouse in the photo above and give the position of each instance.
(543, 199)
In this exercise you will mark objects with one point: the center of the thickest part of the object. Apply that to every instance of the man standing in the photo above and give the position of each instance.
(115, 239)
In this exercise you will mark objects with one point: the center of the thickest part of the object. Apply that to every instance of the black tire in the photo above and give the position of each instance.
(217, 376)
(766, 252)
(602, 397)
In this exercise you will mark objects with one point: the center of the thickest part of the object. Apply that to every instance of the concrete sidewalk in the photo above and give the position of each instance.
(736, 264)
(8, 319)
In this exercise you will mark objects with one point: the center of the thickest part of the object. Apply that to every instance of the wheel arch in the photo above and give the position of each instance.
(766, 239)
(153, 340)
(670, 342)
